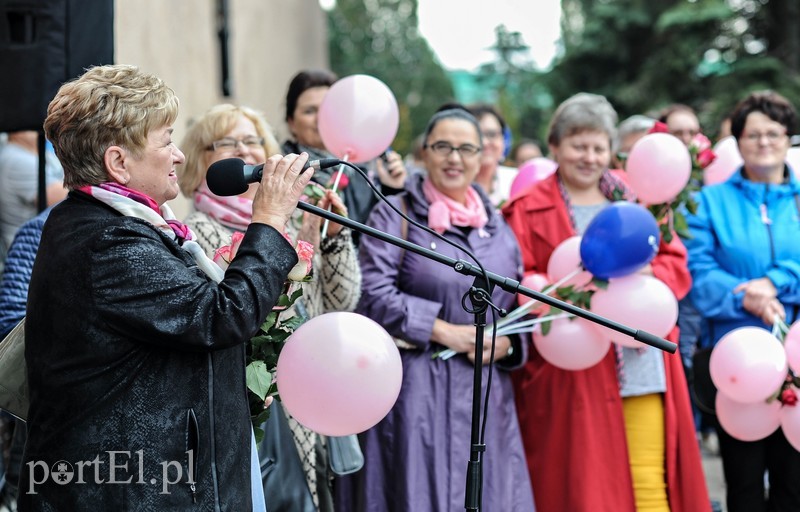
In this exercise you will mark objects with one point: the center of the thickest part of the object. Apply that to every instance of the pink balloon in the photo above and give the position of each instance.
(531, 172)
(748, 422)
(638, 301)
(358, 118)
(536, 282)
(566, 259)
(790, 423)
(727, 161)
(791, 343)
(658, 167)
(339, 374)
(748, 364)
(571, 344)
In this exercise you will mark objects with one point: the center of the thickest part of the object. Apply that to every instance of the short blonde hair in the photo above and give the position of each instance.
(212, 126)
(106, 106)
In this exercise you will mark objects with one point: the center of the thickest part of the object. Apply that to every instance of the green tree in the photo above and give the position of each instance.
(645, 54)
(514, 85)
(381, 38)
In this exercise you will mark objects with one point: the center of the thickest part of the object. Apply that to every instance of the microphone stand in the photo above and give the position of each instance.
(480, 296)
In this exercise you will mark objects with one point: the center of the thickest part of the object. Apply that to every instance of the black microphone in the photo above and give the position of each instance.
(231, 176)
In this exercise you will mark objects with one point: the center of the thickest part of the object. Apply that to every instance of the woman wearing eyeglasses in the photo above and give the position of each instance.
(745, 261)
(416, 457)
(228, 131)
(619, 436)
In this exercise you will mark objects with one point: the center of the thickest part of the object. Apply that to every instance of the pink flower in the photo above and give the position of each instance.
(236, 241)
(343, 181)
(700, 142)
(788, 397)
(705, 157)
(659, 127)
(222, 257)
(225, 254)
(305, 253)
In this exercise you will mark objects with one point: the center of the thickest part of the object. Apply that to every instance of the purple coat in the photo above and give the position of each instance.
(416, 457)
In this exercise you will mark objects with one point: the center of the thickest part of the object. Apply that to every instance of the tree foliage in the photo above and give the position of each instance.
(645, 54)
(641, 54)
(381, 38)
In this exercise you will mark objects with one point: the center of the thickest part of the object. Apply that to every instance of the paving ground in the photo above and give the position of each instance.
(712, 466)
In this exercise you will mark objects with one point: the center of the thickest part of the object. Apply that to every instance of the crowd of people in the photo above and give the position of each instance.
(136, 340)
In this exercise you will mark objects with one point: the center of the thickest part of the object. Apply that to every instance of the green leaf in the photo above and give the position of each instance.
(681, 226)
(292, 324)
(272, 317)
(258, 432)
(296, 295)
(601, 284)
(564, 291)
(691, 206)
(666, 232)
(258, 379)
(314, 192)
(546, 327)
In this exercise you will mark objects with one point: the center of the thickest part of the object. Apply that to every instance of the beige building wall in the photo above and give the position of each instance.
(269, 41)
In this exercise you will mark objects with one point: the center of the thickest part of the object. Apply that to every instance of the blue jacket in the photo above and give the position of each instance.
(742, 231)
(17, 272)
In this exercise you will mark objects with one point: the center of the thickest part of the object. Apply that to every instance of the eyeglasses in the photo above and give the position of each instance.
(229, 144)
(444, 149)
(492, 134)
(772, 137)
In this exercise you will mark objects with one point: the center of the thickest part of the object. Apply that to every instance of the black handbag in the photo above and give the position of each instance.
(285, 486)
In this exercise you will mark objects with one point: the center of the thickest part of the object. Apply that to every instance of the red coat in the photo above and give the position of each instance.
(571, 421)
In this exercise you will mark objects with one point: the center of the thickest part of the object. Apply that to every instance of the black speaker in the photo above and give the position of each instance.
(44, 43)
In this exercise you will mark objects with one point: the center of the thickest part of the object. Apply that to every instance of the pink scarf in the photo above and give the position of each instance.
(445, 212)
(108, 192)
(235, 212)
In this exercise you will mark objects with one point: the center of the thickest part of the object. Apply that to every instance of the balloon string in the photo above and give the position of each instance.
(529, 325)
(335, 188)
(525, 308)
(517, 328)
(779, 327)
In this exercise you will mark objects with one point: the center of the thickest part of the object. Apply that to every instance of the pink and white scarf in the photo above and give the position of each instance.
(133, 203)
(445, 212)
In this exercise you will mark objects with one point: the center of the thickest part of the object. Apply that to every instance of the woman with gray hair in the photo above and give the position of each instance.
(639, 428)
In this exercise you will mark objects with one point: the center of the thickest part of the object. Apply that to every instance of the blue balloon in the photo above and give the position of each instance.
(620, 240)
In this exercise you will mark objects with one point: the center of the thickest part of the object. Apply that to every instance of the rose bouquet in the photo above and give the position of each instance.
(265, 347)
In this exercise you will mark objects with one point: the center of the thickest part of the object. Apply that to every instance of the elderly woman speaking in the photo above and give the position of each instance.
(135, 341)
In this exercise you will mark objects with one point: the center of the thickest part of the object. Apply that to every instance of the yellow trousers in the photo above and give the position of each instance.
(644, 429)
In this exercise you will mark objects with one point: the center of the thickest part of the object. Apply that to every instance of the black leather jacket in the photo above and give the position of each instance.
(136, 365)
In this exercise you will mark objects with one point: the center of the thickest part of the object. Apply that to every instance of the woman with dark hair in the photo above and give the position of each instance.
(303, 99)
(495, 179)
(745, 263)
(416, 457)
